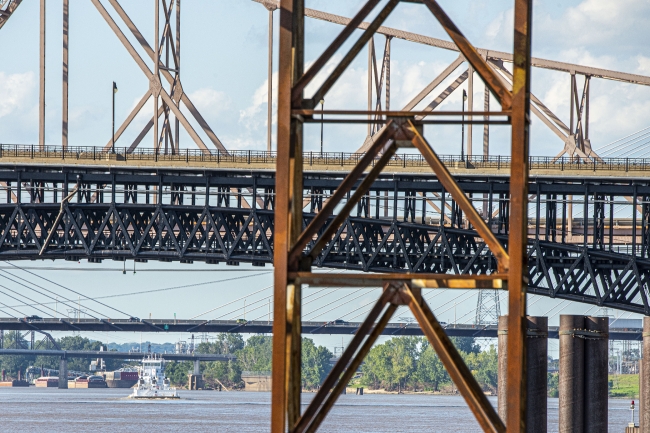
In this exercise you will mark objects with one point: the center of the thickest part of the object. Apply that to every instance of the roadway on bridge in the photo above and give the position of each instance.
(338, 327)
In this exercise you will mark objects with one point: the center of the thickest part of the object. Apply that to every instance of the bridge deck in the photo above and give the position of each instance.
(337, 162)
(262, 327)
(407, 223)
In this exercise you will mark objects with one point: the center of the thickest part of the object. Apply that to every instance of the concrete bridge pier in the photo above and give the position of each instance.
(583, 374)
(644, 380)
(536, 364)
(196, 378)
(63, 373)
(596, 369)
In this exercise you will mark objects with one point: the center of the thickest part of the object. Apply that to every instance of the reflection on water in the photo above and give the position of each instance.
(91, 410)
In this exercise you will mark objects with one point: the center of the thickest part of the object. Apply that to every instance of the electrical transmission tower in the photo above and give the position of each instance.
(488, 307)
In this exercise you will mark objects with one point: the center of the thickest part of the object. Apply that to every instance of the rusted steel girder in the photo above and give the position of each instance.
(517, 278)
(293, 267)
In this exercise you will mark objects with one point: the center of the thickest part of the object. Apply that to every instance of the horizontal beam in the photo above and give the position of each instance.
(338, 327)
(492, 281)
(490, 54)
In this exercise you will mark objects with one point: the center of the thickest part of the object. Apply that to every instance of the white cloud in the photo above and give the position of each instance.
(643, 65)
(15, 92)
(596, 21)
(210, 102)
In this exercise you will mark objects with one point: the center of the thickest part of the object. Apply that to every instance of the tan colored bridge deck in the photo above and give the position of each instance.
(313, 161)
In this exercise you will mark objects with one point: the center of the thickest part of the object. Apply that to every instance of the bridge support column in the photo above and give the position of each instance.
(536, 366)
(596, 369)
(583, 373)
(571, 383)
(63, 374)
(196, 379)
(644, 380)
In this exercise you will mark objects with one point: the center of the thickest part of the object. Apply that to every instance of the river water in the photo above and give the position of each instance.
(92, 410)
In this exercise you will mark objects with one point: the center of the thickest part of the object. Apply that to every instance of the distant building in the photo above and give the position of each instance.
(259, 381)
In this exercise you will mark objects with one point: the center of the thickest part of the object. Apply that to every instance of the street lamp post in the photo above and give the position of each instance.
(113, 134)
(462, 133)
(322, 107)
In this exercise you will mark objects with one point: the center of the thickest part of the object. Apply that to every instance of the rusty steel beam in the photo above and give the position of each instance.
(291, 268)
(329, 52)
(288, 219)
(334, 375)
(350, 55)
(457, 193)
(422, 280)
(517, 240)
(450, 358)
(351, 369)
(343, 214)
(383, 143)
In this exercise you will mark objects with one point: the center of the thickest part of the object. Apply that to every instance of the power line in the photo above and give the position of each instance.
(49, 291)
(231, 302)
(13, 297)
(108, 306)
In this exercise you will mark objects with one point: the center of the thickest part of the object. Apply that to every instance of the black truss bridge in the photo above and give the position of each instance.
(589, 239)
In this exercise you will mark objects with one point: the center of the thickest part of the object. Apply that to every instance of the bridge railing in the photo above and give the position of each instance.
(259, 157)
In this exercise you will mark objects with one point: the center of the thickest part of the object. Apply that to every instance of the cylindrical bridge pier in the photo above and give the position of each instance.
(536, 365)
(583, 374)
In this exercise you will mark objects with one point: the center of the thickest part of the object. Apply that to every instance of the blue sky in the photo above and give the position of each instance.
(224, 52)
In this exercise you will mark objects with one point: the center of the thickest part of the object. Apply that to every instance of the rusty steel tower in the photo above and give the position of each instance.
(293, 260)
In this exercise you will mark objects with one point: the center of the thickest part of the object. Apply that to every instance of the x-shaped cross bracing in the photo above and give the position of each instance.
(171, 100)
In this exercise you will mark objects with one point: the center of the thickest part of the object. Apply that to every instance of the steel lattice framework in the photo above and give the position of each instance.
(227, 216)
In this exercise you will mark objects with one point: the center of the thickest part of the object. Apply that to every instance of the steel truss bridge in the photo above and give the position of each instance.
(262, 327)
(580, 248)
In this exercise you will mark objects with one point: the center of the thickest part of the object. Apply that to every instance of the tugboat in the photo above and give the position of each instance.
(152, 383)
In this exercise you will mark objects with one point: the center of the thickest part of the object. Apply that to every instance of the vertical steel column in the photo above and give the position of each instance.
(571, 386)
(644, 379)
(64, 114)
(177, 128)
(269, 119)
(572, 77)
(502, 372)
(596, 369)
(41, 99)
(536, 366)
(156, 69)
(486, 126)
(371, 48)
(285, 400)
(387, 79)
(470, 108)
(517, 240)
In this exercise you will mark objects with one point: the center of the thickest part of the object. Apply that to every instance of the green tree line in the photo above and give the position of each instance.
(12, 364)
(253, 354)
(410, 363)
